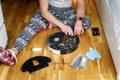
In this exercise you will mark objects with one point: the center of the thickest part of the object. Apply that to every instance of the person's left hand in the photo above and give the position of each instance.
(78, 28)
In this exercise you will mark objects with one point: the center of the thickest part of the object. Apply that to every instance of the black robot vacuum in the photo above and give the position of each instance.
(59, 43)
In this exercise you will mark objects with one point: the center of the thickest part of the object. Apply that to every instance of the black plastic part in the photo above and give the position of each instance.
(29, 66)
(1, 0)
(95, 31)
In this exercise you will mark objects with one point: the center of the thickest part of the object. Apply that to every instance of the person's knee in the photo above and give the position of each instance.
(86, 22)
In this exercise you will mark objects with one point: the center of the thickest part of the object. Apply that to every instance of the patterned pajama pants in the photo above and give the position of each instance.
(65, 15)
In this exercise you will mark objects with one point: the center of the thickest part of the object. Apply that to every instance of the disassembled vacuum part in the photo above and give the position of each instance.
(30, 67)
(36, 49)
(95, 31)
(59, 43)
(79, 61)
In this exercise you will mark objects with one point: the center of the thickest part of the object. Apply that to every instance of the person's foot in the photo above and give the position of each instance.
(15, 50)
(7, 56)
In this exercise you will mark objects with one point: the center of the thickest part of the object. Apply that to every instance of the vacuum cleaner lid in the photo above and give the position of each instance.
(59, 43)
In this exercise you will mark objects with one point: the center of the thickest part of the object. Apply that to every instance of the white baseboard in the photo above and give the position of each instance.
(118, 76)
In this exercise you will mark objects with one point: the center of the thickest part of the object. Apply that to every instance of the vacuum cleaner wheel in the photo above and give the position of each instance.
(59, 43)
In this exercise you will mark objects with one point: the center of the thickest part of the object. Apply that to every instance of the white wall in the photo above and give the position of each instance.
(108, 26)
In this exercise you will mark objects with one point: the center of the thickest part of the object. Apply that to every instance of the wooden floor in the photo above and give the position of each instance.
(18, 12)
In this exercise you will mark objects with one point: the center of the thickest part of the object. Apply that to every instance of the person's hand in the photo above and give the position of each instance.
(78, 28)
(67, 30)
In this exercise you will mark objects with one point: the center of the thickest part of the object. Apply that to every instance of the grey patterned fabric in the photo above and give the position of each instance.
(65, 15)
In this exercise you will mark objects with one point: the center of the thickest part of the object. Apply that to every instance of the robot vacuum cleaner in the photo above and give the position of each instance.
(59, 43)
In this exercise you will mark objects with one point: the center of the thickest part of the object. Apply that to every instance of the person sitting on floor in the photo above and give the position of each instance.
(58, 12)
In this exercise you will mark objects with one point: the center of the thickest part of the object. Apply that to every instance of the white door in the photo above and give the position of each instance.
(3, 34)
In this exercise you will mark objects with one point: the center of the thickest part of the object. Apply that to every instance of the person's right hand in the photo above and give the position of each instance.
(67, 30)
